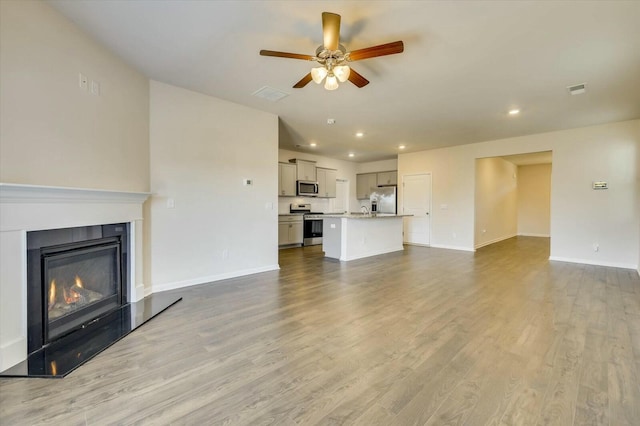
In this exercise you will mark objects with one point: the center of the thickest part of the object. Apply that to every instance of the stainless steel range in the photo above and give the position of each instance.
(312, 226)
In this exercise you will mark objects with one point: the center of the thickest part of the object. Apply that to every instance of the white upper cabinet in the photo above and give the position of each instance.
(365, 184)
(286, 180)
(388, 178)
(306, 170)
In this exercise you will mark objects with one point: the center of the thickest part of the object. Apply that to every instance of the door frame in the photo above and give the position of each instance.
(430, 206)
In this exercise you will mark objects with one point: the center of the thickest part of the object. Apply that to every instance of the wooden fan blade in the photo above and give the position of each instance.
(331, 30)
(286, 55)
(357, 79)
(305, 80)
(381, 50)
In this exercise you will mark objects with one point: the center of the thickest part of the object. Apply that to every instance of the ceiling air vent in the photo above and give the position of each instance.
(577, 89)
(270, 94)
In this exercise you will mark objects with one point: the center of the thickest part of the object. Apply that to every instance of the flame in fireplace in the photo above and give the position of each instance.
(66, 295)
(70, 296)
(52, 294)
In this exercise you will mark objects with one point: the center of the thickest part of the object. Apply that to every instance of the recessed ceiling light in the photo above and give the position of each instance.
(351, 154)
(359, 134)
(514, 112)
(312, 144)
(401, 147)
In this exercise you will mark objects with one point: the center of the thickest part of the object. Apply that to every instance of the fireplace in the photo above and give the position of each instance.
(75, 276)
(81, 282)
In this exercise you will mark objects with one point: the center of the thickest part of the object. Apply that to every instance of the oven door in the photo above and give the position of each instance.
(312, 232)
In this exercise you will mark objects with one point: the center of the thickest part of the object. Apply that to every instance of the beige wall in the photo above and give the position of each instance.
(534, 200)
(54, 133)
(202, 148)
(496, 201)
(580, 216)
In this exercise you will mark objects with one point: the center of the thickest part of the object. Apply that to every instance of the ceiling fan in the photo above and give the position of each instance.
(333, 57)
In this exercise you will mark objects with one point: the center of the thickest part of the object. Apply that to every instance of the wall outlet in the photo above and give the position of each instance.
(83, 81)
(596, 247)
(225, 253)
(171, 203)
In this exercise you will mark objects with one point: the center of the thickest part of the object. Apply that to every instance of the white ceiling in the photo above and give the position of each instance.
(465, 64)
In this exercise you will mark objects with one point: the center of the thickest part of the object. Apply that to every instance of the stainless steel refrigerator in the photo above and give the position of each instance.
(385, 197)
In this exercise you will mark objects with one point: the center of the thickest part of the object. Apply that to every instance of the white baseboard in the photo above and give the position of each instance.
(141, 292)
(147, 291)
(495, 240)
(534, 235)
(13, 352)
(204, 280)
(460, 248)
(415, 244)
(593, 262)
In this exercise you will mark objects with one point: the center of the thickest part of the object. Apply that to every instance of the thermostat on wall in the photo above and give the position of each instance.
(600, 185)
(247, 182)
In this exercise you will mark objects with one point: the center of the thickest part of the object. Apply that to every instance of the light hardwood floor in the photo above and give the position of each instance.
(426, 336)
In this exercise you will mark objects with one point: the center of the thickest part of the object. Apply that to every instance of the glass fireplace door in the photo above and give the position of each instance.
(81, 282)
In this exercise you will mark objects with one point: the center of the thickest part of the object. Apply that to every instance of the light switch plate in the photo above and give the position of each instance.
(600, 185)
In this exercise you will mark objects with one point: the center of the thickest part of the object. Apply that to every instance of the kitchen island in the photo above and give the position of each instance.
(354, 236)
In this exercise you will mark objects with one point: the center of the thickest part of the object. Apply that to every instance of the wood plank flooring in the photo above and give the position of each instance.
(426, 337)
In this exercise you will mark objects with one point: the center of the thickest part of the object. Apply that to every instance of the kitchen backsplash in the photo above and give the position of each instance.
(324, 205)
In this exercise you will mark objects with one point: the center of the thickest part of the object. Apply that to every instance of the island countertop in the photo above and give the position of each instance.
(356, 216)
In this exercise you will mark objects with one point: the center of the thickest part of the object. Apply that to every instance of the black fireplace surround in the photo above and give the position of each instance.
(74, 277)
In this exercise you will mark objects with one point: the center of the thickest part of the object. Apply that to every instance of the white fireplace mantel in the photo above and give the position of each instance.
(25, 208)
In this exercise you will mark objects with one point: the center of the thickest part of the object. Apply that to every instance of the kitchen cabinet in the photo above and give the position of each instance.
(364, 185)
(286, 180)
(306, 170)
(290, 230)
(388, 178)
(326, 182)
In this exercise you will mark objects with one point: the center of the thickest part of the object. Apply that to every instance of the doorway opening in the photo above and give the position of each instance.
(512, 197)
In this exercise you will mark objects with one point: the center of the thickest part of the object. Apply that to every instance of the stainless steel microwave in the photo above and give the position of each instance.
(307, 188)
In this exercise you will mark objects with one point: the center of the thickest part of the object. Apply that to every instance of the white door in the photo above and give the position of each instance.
(341, 203)
(416, 200)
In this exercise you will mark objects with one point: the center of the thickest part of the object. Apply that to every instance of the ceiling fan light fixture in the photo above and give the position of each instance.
(331, 83)
(318, 74)
(342, 72)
